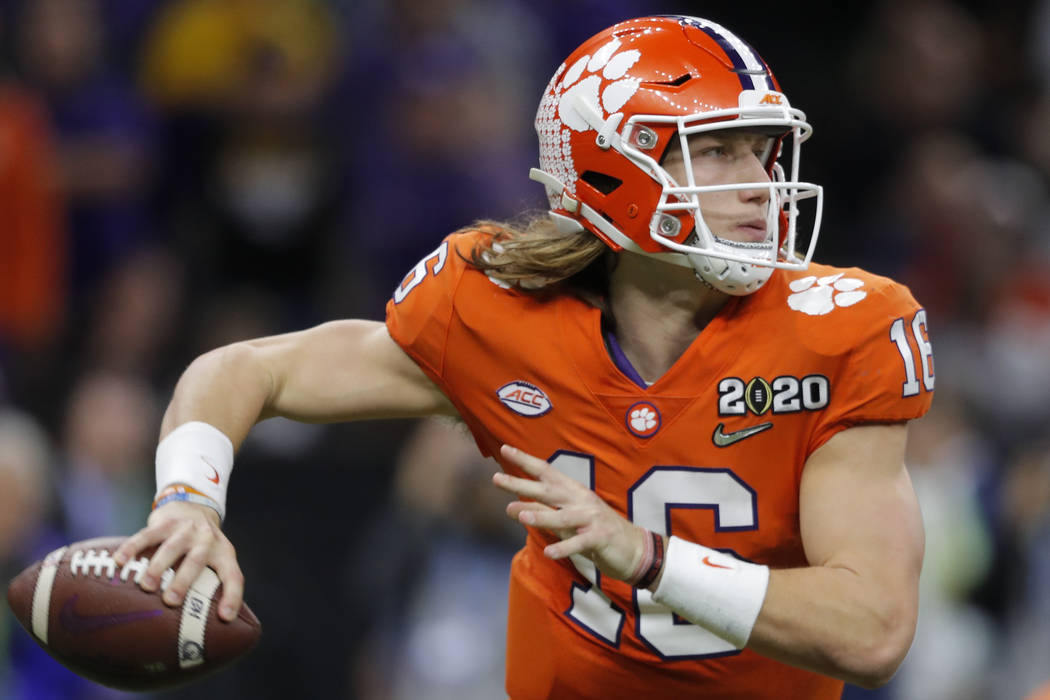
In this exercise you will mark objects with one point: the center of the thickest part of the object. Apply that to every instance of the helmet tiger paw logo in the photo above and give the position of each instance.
(817, 296)
(576, 101)
(613, 97)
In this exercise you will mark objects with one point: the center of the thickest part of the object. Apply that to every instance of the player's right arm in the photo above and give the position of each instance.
(344, 370)
(338, 371)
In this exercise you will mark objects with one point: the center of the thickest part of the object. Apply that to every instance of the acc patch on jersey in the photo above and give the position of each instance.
(524, 398)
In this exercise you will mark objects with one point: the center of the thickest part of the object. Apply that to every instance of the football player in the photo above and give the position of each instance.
(705, 431)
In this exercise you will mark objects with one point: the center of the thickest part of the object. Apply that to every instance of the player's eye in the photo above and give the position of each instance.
(763, 149)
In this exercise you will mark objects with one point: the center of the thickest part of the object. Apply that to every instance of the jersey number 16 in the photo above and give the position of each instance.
(649, 505)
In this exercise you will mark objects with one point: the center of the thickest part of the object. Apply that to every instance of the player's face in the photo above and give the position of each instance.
(726, 157)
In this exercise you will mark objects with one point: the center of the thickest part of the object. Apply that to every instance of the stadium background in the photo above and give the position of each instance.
(178, 174)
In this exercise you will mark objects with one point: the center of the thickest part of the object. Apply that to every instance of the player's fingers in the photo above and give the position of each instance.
(515, 508)
(528, 488)
(533, 466)
(146, 537)
(577, 544)
(170, 551)
(515, 484)
(566, 519)
(225, 565)
(542, 471)
(192, 564)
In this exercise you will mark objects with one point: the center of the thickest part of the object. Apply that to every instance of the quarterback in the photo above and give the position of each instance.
(705, 430)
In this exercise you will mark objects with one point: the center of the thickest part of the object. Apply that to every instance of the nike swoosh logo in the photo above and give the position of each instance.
(75, 623)
(212, 479)
(707, 560)
(723, 439)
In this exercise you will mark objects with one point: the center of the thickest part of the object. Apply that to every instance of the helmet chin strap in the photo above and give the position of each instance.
(734, 278)
(728, 276)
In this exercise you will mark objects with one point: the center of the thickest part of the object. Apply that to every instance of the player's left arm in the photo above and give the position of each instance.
(852, 612)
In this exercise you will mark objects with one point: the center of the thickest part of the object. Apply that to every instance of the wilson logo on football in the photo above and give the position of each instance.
(524, 398)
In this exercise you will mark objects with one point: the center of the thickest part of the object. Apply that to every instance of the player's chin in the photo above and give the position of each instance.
(745, 233)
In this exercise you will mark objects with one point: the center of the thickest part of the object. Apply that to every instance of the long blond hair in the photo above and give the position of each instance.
(534, 255)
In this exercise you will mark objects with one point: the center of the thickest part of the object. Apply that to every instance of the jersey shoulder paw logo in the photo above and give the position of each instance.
(817, 296)
(583, 82)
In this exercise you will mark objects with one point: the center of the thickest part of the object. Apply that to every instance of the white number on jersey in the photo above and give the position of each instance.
(735, 505)
(899, 335)
(419, 272)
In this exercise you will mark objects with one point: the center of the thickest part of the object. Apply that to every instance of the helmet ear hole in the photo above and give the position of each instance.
(606, 184)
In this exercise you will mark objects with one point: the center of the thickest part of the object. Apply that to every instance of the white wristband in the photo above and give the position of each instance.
(199, 455)
(717, 591)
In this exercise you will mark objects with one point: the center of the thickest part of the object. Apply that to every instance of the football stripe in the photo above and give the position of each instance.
(194, 620)
(45, 580)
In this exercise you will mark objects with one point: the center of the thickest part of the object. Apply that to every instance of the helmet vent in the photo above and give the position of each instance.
(680, 80)
(606, 184)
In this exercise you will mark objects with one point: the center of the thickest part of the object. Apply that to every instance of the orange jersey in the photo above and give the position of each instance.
(712, 452)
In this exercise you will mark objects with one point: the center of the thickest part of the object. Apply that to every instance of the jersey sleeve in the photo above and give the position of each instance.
(420, 317)
(886, 375)
(419, 313)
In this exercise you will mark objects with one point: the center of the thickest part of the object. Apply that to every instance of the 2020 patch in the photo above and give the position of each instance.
(785, 394)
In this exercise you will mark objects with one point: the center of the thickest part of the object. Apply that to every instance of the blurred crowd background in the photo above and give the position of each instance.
(179, 174)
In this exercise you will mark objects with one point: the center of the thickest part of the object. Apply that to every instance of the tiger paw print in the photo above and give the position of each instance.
(612, 98)
(643, 419)
(817, 296)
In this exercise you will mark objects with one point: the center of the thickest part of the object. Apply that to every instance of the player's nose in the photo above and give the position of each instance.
(751, 169)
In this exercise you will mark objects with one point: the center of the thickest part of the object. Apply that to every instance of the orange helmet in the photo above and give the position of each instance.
(625, 96)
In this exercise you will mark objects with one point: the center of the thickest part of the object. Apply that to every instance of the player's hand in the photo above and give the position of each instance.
(583, 522)
(190, 532)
